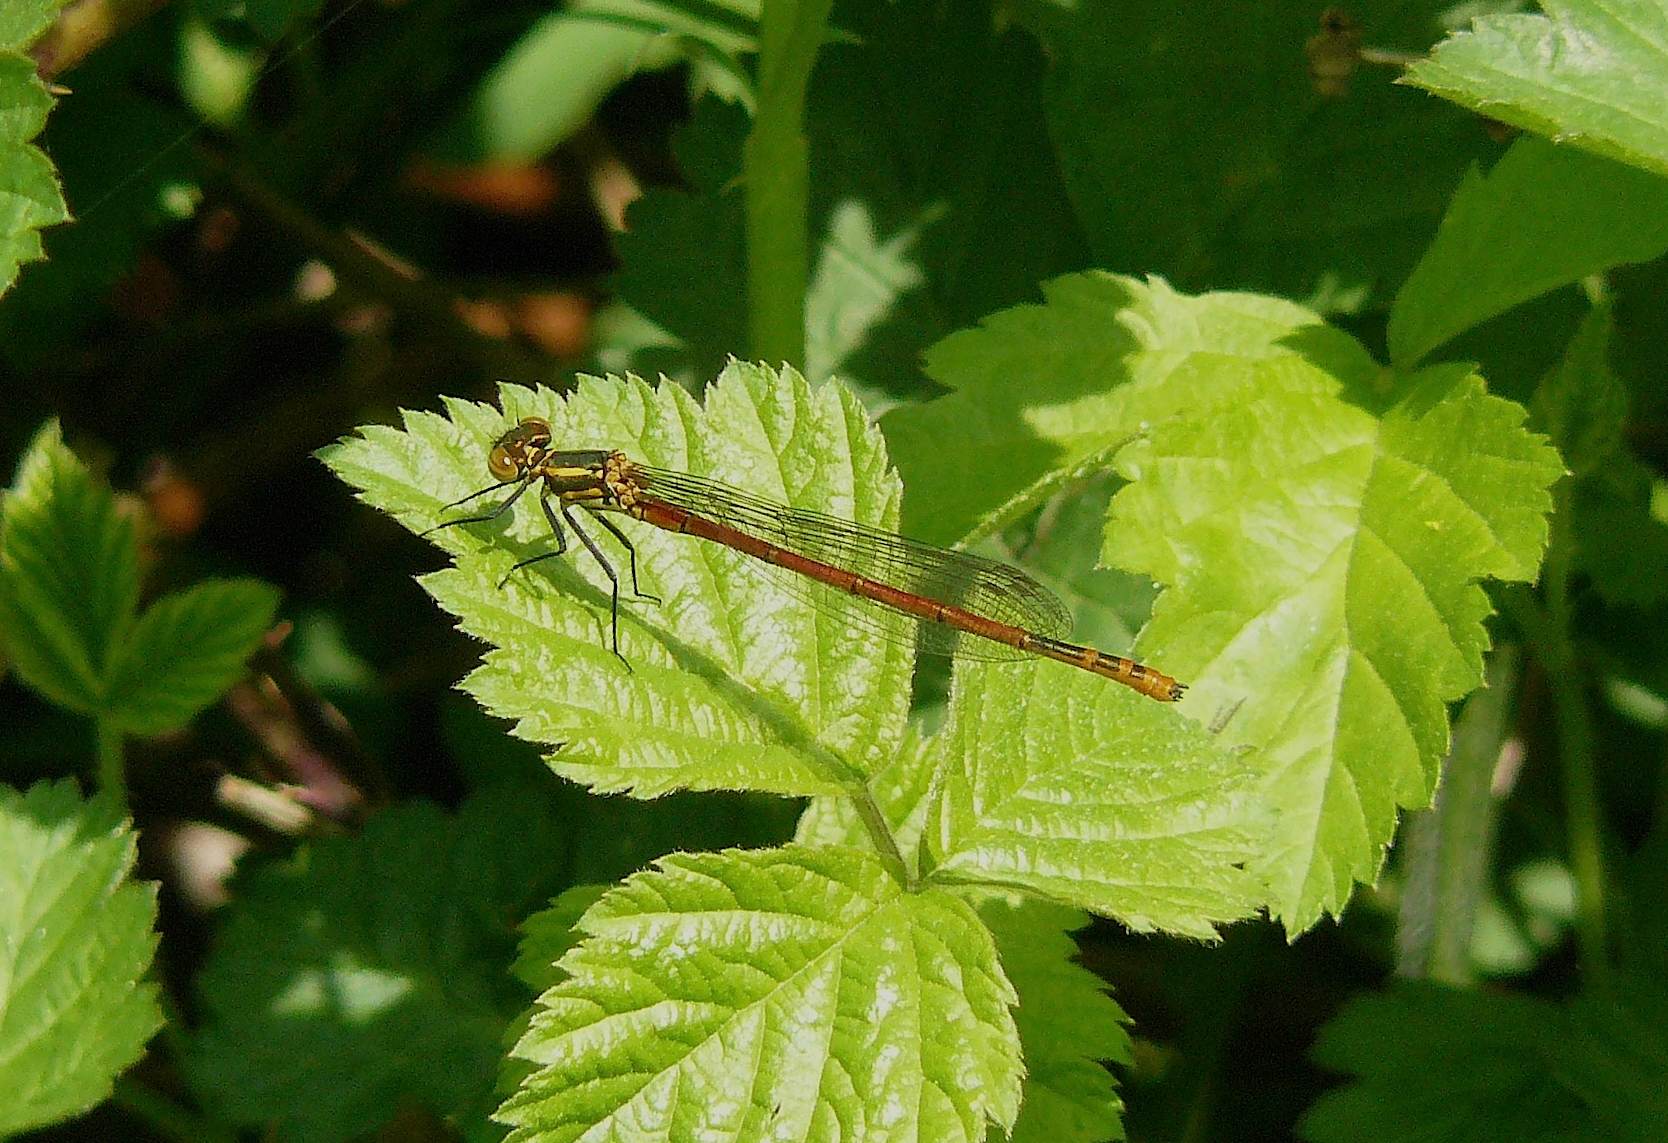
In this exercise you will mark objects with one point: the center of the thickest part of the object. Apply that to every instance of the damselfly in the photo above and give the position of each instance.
(952, 603)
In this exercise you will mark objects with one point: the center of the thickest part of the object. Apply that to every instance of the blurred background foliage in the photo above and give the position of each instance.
(297, 216)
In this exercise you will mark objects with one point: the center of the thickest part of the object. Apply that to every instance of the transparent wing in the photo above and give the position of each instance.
(984, 587)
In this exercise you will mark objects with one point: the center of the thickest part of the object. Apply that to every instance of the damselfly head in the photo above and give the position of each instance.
(513, 453)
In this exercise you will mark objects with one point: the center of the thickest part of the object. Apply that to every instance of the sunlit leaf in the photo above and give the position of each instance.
(1091, 795)
(734, 681)
(75, 937)
(790, 994)
(1592, 73)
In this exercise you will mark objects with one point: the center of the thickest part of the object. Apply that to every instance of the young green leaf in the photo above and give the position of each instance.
(1067, 1023)
(1043, 392)
(1593, 73)
(75, 937)
(69, 582)
(32, 195)
(186, 649)
(373, 969)
(789, 994)
(1067, 1026)
(1053, 782)
(1323, 542)
(69, 575)
(734, 680)
(1543, 217)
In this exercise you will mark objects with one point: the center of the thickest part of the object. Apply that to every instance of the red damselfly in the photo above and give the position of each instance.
(951, 603)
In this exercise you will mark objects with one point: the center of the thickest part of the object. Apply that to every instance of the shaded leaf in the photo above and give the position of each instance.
(1435, 1064)
(1543, 217)
(1194, 145)
(1068, 1026)
(373, 968)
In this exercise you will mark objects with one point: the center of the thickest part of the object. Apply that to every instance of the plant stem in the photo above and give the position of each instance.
(1548, 632)
(880, 832)
(112, 776)
(1449, 846)
(776, 178)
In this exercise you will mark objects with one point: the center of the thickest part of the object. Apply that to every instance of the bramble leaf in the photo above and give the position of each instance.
(1092, 796)
(734, 681)
(69, 575)
(75, 937)
(186, 649)
(69, 584)
(1591, 73)
(1322, 545)
(1041, 392)
(790, 994)
(1067, 1026)
(1544, 216)
(374, 968)
(30, 198)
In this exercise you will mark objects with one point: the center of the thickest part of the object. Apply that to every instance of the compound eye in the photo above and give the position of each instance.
(535, 431)
(501, 464)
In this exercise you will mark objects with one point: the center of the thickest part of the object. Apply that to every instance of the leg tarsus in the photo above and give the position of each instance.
(631, 553)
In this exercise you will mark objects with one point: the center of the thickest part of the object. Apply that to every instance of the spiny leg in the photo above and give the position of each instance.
(631, 551)
(613, 578)
(493, 515)
(555, 530)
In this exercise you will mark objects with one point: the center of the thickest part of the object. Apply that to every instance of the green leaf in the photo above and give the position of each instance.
(551, 81)
(1543, 217)
(30, 197)
(1067, 1026)
(1593, 73)
(69, 575)
(1195, 146)
(123, 170)
(1055, 783)
(935, 198)
(373, 969)
(75, 937)
(1581, 405)
(1042, 392)
(791, 994)
(1323, 541)
(186, 649)
(735, 681)
(22, 21)
(1435, 1064)
(547, 936)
